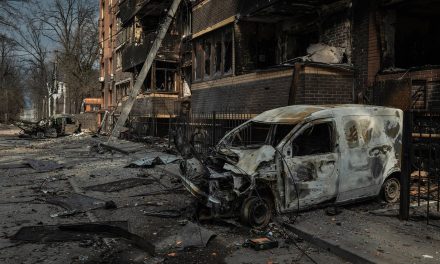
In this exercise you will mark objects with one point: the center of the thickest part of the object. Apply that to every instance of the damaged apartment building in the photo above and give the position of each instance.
(257, 55)
(254, 56)
(128, 29)
(251, 56)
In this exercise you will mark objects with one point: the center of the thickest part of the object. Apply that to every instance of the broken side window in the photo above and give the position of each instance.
(281, 132)
(315, 140)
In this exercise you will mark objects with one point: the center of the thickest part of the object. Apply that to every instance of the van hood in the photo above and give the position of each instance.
(249, 159)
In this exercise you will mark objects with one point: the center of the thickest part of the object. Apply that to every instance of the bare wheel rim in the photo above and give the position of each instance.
(392, 189)
(259, 213)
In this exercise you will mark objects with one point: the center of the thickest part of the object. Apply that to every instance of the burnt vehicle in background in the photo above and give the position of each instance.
(55, 126)
(296, 157)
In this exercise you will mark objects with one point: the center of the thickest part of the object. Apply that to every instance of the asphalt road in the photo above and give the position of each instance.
(24, 202)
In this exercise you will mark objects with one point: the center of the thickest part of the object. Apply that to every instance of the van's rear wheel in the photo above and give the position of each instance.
(391, 190)
(256, 212)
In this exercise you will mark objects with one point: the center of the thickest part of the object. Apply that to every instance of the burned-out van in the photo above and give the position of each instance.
(297, 157)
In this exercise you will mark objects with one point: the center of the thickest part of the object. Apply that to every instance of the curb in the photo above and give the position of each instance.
(331, 246)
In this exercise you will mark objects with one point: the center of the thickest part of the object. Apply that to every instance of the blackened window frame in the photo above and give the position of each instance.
(199, 52)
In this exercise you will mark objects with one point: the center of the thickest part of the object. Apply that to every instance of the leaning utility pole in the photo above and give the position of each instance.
(126, 107)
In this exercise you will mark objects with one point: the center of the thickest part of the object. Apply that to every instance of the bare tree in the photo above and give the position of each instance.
(11, 94)
(8, 13)
(68, 26)
(33, 47)
(72, 24)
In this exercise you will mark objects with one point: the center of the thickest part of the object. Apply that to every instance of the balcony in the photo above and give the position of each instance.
(121, 38)
(135, 53)
(129, 8)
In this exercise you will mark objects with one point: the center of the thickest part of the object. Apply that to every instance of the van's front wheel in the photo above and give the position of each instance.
(391, 190)
(256, 212)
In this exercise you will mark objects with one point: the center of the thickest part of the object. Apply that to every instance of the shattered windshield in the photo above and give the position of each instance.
(256, 134)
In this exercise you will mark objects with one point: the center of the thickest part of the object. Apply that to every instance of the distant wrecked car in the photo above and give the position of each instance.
(296, 157)
(55, 126)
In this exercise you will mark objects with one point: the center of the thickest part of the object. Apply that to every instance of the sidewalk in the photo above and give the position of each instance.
(361, 237)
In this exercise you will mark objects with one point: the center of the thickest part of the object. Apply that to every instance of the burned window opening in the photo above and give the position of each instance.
(314, 140)
(165, 76)
(213, 55)
(207, 50)
(228, 52)
(410, 35)
(198, 61)
(218, 57)
(417, 39)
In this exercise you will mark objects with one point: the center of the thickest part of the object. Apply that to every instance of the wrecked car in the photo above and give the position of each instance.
(57, 125)
(297, 157)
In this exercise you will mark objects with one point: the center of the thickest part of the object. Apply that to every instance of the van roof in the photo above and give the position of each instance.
(294, 114)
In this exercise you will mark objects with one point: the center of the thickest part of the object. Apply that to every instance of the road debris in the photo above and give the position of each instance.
(191, 235)
(80, 232)
(38, 165)
(152, 160)
(123, 146)
(43, 165)
(79, 203)
(164, 213)
(57, 233)
(116, 186)
(261, 243)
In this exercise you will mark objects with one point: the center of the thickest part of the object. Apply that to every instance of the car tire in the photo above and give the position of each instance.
(390, 191)
(256, 212)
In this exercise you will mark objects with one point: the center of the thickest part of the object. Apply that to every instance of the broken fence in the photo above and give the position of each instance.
(420, 193)
(204, 130)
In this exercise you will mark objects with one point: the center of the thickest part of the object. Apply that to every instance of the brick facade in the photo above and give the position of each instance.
(210, 12)
(251, 93)
(360, 33)
(319, 85)
(260, 91)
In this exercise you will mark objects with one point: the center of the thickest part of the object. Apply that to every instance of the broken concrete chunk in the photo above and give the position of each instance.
(55, 233)
(77, 202)
(152, 160)
(189, 236)
(43, 165)
(80, 232)
(164, 213)
(119, 185)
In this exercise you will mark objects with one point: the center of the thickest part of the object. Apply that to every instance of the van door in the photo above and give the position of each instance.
(364, 156)
(310, 165)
